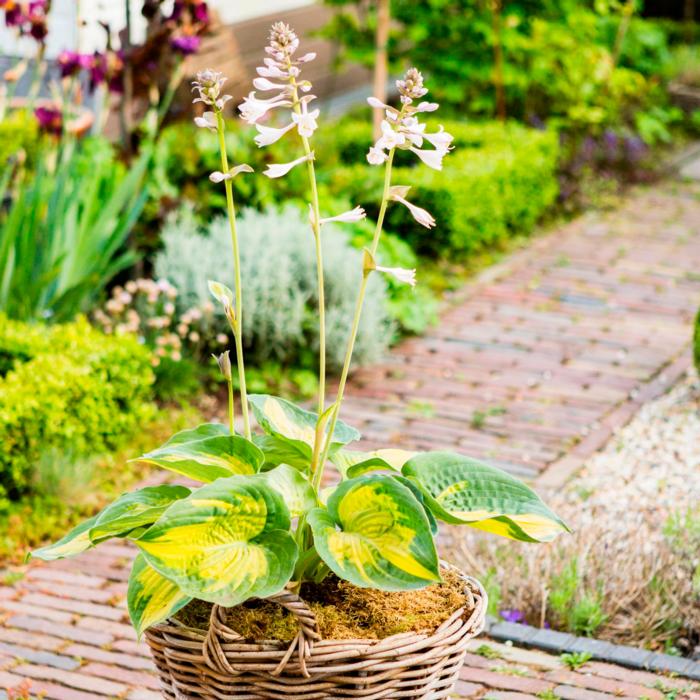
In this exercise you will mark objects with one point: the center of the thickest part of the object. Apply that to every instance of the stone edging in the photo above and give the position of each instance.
(561, 642)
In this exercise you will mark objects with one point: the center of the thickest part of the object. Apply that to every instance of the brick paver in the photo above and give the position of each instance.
(532, 367)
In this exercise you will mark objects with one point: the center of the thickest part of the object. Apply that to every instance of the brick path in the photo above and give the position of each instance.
(543, 357)
(532, 368)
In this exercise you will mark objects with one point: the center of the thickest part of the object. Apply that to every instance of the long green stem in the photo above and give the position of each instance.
(238, 323)
(316, 227)
(231, 407)
(318, 474)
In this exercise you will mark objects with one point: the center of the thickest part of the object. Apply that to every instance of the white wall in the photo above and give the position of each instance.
(74, 24)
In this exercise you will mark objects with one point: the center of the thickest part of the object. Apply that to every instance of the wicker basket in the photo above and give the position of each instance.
(221, 665)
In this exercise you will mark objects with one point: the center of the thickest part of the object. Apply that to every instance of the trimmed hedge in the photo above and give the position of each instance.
(498, 182)
(67, 388)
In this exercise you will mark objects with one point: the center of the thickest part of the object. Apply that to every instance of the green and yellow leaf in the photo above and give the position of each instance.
(133, 510)
(462, 490)
(224, 543)
(352, 464)
(150, 597)
(75, 542)
(201, 432)
(295, 426)
(209, 458)
(375, 534)
(294, 487)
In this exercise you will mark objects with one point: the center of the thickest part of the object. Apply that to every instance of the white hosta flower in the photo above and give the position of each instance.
(390, 138)
(268, 134)
(427, 107)
(307, 57)
(400, 273)
(306, 122)
(264, 84)
(376, 156)
(376, 103)
(432, 159)
(252, 108)
(441, 139)
(413, 130)
(272, 71)
(347, 217)
(423, 217)
(275, 170)
(218, 176)
(206, 121)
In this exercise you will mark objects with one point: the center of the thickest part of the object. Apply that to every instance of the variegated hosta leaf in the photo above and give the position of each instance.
(421, 499)
(295, 426)
(122, 517)
(224, 543)
(459, 489)
(282, 451)
(75, 542)
(209, 458)
(205, 430)
(375, 534)
(150, 597)
(132, 510)
(294, 487)
(352, 464)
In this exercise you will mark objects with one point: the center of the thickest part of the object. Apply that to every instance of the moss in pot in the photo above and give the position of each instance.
(353, 561)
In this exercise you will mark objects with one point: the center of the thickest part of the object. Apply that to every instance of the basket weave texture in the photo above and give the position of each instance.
(219, 664)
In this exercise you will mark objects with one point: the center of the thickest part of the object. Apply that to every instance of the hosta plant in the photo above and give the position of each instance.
(261, 516)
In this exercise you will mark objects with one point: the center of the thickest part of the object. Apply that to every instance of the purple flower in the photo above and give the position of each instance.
(610, 143)
(200, 12)
(186, 44)
(72, 62)
(635, 149)
(13, 14)
(512, 615)
(50, 119)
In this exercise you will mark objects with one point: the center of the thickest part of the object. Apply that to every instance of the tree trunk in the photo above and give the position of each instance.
(498, 80)
(381, 60)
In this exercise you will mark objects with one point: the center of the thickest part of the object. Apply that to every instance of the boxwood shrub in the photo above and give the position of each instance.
(66, 388)
(497, 183)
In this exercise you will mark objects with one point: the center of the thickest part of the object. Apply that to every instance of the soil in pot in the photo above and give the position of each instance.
(343, 611)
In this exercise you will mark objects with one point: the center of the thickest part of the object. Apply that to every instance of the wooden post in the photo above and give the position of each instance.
(381, 60)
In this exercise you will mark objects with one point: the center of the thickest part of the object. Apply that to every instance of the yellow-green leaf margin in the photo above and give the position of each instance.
(462, 490)
(151, 598)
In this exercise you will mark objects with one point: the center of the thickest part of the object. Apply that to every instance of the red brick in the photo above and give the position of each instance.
(567, 692)
(465, 691)
(51, 573)
(109, 612)
(502, 681)
(121, 675)
(117, 629)
(91, 653)
(605, 685)
(73, 679)
(66, 632)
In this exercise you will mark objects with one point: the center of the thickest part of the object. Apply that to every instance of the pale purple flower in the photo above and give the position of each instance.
(399, 273)
(427, 107)
(275, 170)
(268, 134)
(208, 85)
(347, 217)
(441, 139)
(512, 615)
(252, 108)
(206, 121)
(217, 176)
(432, 159)
(306, 122)
(376, 156)
(423, 217)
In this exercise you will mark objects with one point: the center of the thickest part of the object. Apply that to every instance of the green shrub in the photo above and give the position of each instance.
(19, 138)
(696, 342)
(66, 388)
(279, 276)
(497, 184)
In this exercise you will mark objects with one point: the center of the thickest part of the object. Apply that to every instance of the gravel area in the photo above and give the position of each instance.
(630, 572)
